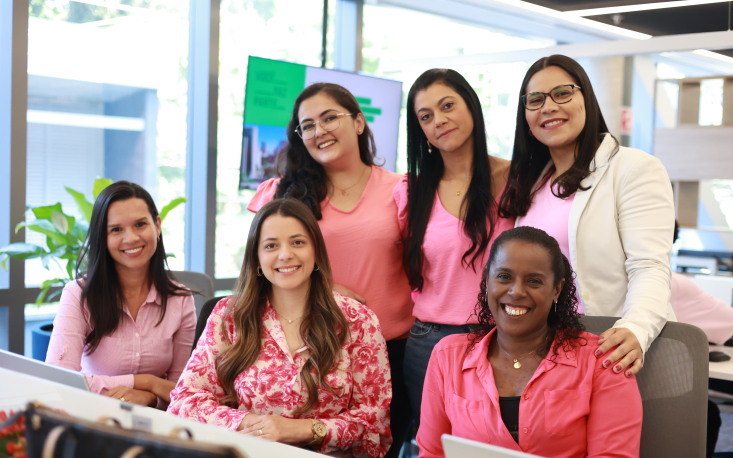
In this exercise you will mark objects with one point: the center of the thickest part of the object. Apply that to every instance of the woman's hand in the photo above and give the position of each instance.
(626, 356)
(277, 428)
(344, 291)
(139, 397)
(156, 385)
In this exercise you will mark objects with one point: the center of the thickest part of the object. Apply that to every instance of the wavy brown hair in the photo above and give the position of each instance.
(324, 328)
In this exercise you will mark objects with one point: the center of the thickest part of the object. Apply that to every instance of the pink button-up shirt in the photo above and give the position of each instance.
(571, 407)
(135, 347)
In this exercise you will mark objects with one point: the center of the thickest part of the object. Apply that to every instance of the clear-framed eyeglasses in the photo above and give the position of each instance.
(559, 94)
(330, 121)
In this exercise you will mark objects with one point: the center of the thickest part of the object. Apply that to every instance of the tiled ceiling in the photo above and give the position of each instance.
(714, 17)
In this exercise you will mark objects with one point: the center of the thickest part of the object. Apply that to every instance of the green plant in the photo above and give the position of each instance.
(64, 234)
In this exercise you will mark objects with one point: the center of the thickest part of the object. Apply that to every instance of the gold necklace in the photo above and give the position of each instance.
(345, 191)
(516, 359)
(287, 319)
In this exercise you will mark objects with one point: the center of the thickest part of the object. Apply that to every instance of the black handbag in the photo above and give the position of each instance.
(53, 434)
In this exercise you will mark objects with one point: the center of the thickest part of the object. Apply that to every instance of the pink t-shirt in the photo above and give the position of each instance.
(450, 289)
(551, 214)
(571, 407)
(365, 249)
(138, 346)
(694, 306)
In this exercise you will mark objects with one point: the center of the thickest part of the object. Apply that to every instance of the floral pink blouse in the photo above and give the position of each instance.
(355, 412)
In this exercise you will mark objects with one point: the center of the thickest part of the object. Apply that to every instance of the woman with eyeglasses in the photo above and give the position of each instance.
(329, 165)
(610, 207)
(448, 210)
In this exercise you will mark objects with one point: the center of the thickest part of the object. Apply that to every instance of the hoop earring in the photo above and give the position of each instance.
(259, 271)
(430, 148)
(316, 268)
(554, 304)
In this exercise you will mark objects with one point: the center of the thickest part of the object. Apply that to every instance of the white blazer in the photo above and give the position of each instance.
(620, 240)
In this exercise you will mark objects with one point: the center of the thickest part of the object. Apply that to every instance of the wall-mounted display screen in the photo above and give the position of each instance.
(271, 90)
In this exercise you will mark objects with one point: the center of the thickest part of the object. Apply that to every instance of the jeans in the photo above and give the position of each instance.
(423, 337)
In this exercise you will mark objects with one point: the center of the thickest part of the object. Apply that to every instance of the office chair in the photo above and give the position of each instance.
(206, 309)
(201, 284)
(674, 390)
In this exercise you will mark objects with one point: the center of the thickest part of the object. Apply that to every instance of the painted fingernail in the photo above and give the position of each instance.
(598, 353)
(606, 363)
(617, 369)
(629, 374)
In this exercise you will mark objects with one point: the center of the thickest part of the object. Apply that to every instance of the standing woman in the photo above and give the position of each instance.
(610, 207)
(124, 322)
(329, 166)
(286, 358)
(448, 213)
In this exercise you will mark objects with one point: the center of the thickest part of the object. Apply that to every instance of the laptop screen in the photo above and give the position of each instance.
(18, 363)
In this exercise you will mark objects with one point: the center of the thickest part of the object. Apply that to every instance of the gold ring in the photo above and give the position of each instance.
(259, 431)
(123, 399)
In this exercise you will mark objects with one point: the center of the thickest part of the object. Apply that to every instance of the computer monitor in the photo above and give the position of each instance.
(271, 89)
(29, 366)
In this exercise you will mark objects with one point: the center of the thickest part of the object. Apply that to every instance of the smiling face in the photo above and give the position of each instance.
(520, 288)
(286, 253)
(337, 148)
(445, 119)
(132, 234)
(556, 125)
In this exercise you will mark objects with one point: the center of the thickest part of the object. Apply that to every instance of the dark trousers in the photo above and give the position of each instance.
(400, 416)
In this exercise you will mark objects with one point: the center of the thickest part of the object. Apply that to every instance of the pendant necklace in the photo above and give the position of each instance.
(345, 191)
(287, 319)
(516, 359)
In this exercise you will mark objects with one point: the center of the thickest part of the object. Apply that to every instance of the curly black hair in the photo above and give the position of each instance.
(564, 319)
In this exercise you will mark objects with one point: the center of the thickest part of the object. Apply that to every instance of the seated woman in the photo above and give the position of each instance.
(286, 358)
(124, 323)
(527, 379)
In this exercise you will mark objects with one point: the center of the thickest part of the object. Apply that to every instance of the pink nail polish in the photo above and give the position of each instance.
(628, 374)
(617, 369)
(606, 363)
(597, 353)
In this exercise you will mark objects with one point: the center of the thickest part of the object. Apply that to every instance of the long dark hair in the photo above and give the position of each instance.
(424, 171)
(324, 327)
(563, 320)
(100, 284)
(530, 156)
(302, 177)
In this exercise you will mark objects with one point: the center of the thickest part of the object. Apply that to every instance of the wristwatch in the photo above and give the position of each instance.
(319, 432)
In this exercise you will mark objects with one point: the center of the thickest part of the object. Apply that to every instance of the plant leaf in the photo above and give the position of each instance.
(45, 211)
(99, 185)
(61, 221)
(46, 228)
(85, 207)
(171, 205)
(23, 251)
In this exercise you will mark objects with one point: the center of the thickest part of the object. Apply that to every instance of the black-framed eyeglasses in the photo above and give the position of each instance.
(328, 122)
(559, 94)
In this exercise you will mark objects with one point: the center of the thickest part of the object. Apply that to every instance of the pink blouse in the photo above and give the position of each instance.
(138, 346)
(365, 249)
(355, 412)
(571, 407)
(450, 288)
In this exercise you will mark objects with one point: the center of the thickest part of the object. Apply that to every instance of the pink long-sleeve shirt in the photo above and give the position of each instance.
(135, 347)
(571, 407)
(355, 412)
(450, 288)
(365, 249)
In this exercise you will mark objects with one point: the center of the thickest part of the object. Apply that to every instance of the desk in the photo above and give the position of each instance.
(722, 370)
(17, 389)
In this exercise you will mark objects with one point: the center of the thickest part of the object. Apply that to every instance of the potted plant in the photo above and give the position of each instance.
(64, 237)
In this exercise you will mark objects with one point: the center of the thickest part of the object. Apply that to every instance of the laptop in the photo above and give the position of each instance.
(18, 363)
(458, 447)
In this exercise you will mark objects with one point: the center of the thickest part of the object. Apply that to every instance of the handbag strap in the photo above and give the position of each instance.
(49, 445)
(133, 452)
